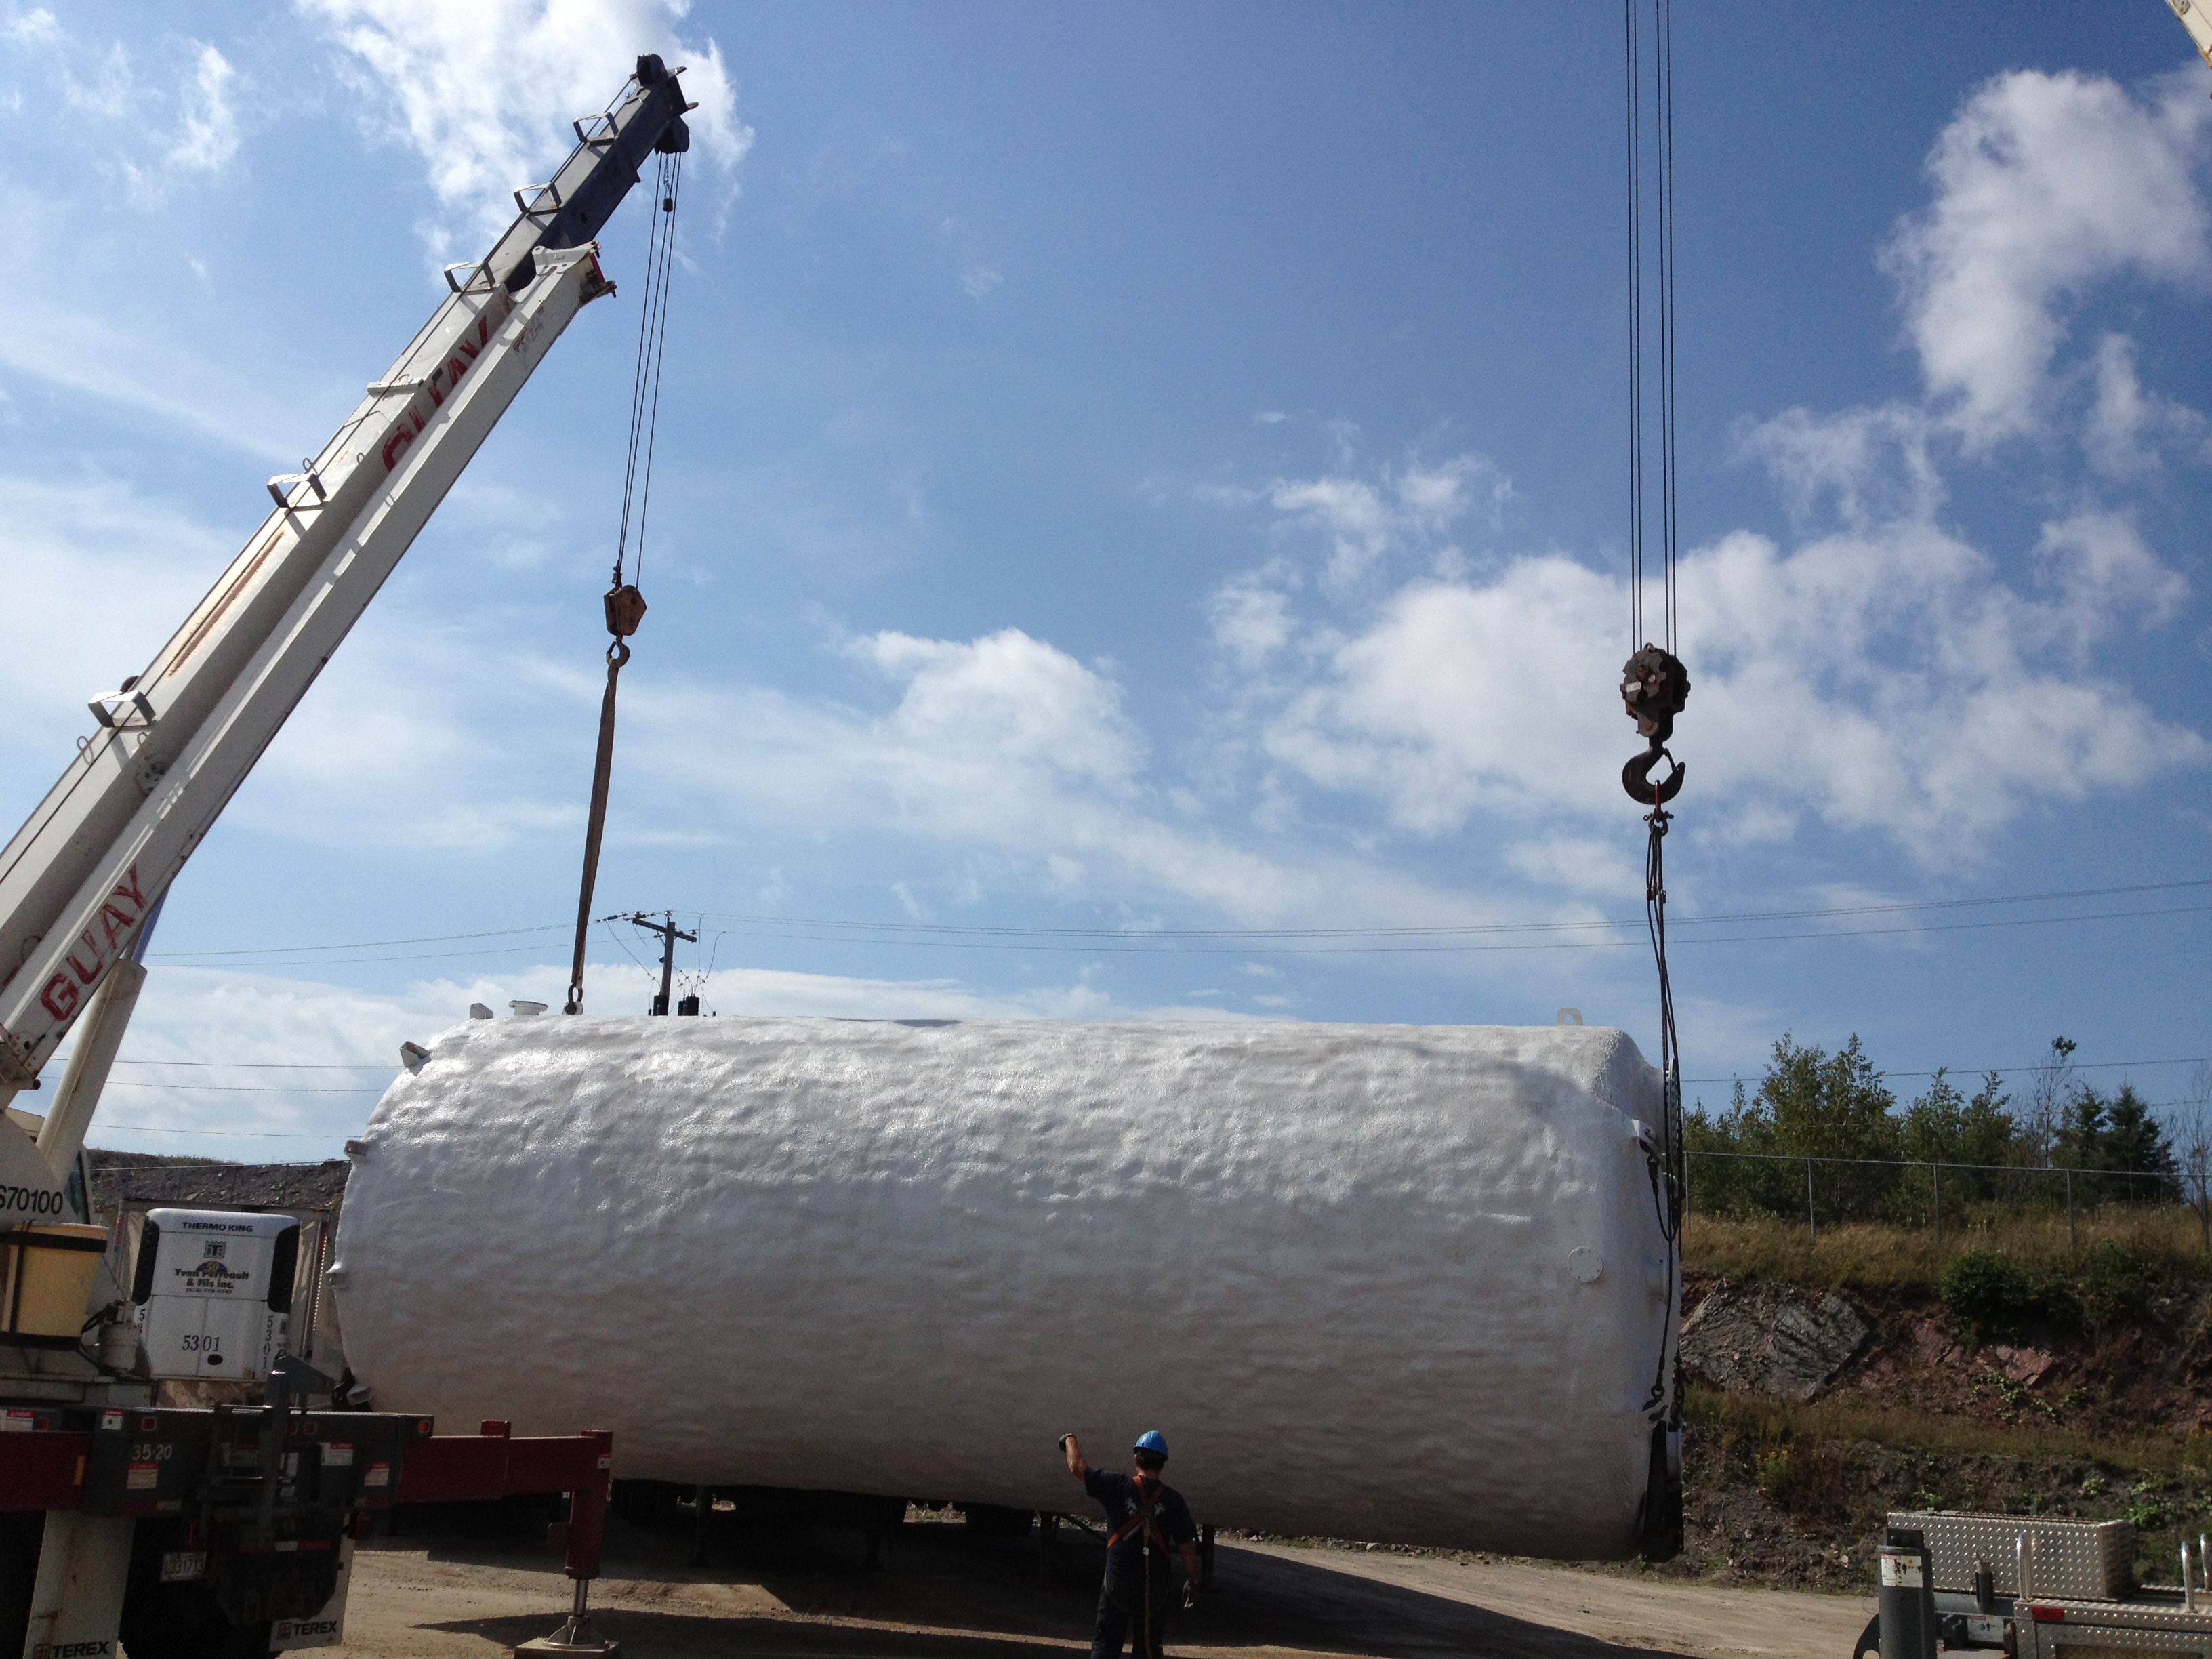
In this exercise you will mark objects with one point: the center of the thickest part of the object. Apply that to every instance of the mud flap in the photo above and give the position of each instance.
(325, 1626)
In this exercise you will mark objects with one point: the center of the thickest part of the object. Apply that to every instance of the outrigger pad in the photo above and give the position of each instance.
(558, 1643)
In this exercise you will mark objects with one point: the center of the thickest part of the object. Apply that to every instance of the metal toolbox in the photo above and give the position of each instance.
(2068, 1560)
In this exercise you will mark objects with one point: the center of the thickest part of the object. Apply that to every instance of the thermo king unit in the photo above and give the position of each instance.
(214, 1290)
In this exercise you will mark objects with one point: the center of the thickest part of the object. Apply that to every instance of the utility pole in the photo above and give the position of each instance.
(669, 932)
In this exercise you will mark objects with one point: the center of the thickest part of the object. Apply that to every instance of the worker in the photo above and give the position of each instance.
(1144, 1517)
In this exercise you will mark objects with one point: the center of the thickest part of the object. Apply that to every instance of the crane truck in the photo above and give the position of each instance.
(228, 1529)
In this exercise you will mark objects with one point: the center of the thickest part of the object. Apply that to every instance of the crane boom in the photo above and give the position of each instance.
(2196, 16)
(80, 878)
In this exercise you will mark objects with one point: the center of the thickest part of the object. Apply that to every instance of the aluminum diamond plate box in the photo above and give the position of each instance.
(2082, 1560)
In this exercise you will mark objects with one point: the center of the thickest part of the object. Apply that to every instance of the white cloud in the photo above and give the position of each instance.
(2106, 575)
(107, 94)
(1582, 864)
(1414, 504)
(1865, 465)
(484, 93)
(2044, 186)
(63, 541)
(1251, 615)
(37, 26)
(2127, 426)
(209, 134)
(122, 117)
(1882, 677)
(1005, 701)
(132, 363)
(1884, 673)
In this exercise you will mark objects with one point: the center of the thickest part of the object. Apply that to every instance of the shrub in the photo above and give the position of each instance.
(2116, 1285)
(1771, 1472)
(1807, 1481)
(1988, 1297)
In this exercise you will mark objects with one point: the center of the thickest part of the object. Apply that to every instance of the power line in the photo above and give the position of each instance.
(363, 945)
(231, 1134)
(1901, 907)
(241, 1088)
(260, 1064)
(1895, 908)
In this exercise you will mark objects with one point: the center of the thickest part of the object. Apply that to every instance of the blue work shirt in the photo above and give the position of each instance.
(1117, 1494)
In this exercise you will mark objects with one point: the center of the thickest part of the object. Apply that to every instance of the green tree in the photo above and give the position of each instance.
(1834, 1106)
(1723, 1181)
(1944, 1127)
(2118, 1135)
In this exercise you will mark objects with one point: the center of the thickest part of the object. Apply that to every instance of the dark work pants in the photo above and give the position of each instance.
(1122, 1615)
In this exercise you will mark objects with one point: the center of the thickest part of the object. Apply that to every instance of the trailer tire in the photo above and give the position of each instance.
(996, 1520)
(651, 1504)
(178, 1621)
(186, 1626)
(20, 1535)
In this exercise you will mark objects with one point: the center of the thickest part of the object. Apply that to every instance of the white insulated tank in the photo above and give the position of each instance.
(1391, 1282)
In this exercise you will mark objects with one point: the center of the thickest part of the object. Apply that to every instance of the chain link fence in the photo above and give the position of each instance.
(1832, 1190)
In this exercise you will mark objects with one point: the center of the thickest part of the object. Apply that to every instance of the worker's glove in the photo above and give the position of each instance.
(1190, 1598)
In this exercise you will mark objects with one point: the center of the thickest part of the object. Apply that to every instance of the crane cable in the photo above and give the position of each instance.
(1654, 689)
(623, 604)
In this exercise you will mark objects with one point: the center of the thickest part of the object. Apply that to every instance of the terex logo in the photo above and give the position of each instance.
(88, 958)
(405, 429)
(296, 1629)
(72, 1649)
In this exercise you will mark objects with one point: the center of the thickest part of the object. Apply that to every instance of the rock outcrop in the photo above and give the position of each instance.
(1771, 1339)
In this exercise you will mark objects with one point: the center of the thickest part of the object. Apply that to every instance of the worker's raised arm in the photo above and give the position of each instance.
(1074, 1449)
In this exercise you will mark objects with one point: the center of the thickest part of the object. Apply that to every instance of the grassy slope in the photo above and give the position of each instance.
(2111, 1423)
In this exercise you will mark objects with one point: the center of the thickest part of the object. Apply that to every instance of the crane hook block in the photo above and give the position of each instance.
(1654, 687)
(625, 610)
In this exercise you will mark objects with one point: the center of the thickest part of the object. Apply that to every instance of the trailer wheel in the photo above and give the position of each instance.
(179, 1620)
(996, 1520)
(20, 1537)
(171, 1625)
(650, 1503)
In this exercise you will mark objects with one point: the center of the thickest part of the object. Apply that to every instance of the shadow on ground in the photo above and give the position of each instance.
(940, 1593)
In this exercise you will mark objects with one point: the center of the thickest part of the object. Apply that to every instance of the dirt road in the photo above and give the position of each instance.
(941, 1595)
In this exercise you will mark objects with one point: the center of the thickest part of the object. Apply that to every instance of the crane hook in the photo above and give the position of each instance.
(1635, 777)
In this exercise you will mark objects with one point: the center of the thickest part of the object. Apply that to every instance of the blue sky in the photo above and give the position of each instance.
(1141, 472)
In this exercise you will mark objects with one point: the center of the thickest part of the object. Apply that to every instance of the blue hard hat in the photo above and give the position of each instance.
(1151, 1440)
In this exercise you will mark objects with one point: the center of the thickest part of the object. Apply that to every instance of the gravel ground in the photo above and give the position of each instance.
(941, 1595)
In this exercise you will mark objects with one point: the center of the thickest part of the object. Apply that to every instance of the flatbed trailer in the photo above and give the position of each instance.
(161, 1526)
(2033, 1589)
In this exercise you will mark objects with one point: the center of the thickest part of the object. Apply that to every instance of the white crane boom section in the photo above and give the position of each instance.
(172, 748)
(2196, 16)
(79, 880)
